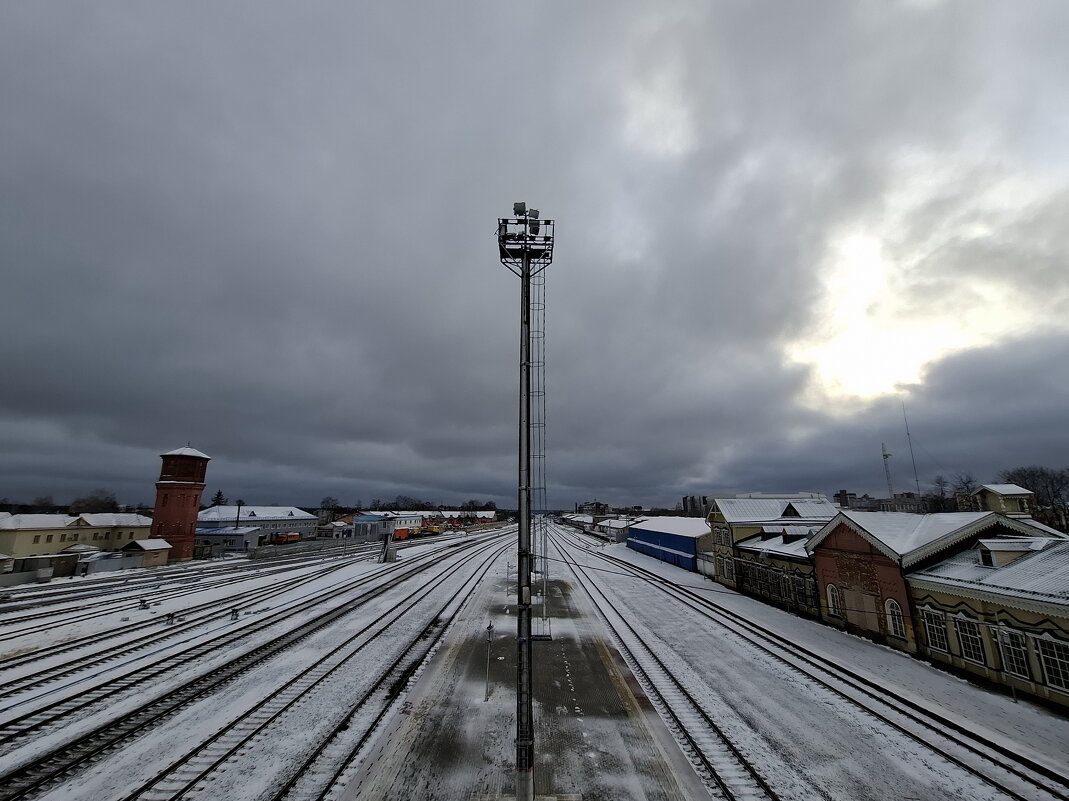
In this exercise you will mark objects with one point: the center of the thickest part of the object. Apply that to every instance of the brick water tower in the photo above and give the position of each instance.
(178, 500)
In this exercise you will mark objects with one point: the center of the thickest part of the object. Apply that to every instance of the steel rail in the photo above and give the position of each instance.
(774, 645)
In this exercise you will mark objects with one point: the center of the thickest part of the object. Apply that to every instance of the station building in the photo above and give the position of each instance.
(999, 610)
(861, 560)
(756, 544)
(270, 520)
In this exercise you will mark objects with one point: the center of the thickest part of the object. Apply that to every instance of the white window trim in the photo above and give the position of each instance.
(896, 622)
(925, 611)
(959, 618)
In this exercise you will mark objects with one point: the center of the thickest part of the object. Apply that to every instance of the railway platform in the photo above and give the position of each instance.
(597, 736)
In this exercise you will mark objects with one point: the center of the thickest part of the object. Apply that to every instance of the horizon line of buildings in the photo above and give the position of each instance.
(984, 592)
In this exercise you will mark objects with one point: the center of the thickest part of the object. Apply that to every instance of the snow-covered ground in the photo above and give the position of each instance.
(832, 746)
(815, 744)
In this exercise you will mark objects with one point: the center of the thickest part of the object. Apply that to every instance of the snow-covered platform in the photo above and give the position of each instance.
(596, 734)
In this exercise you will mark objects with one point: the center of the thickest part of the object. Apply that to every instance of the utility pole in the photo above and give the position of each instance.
(525, 245)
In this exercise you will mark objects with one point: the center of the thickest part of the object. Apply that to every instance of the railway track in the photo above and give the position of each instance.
(723, 766)
(149, 590)
(1010, 770)
(47, 768)
(111, 688)
(14, 680)
(317, 773)
(157, 632)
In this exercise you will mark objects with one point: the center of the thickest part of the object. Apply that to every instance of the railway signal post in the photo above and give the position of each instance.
(525, 245)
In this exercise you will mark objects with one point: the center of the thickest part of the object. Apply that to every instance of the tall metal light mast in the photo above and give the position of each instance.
(525, 244)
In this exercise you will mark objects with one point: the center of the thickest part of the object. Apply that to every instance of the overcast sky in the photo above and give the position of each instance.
(267, 229)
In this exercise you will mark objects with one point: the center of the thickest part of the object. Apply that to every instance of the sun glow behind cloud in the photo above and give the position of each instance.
(921, 282)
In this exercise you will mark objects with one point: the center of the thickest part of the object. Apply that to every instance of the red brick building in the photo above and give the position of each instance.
(860, 560)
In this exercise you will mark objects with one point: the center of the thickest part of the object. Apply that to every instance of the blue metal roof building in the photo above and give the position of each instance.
(676, 540)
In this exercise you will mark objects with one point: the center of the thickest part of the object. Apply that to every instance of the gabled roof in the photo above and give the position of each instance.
(1038, 577)
(1003, 489)
(755, 510)
(147, 545)
(907, 538)
(776, 546)
(1016, 544)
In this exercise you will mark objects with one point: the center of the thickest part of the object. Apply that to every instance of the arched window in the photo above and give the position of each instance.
(835, 603)
(896, 625)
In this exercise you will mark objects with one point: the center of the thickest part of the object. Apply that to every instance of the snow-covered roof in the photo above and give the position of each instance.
(186, 452)
(253, 514)
(150, 544)
(681, 526)
(114, 519)
(32, 521)
(1039, 576)
(907, 537)
(811, 509)
(752, 510)
(231, 530)
(1016, 543)
(778, 545)
(4, 515)
(575, 517)
(79, 547)
(1003, 489)
(622, 522)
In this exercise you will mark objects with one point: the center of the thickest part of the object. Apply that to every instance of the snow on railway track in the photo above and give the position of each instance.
(199, 769)
(720, 759)
(1011, 771)
(70, 747)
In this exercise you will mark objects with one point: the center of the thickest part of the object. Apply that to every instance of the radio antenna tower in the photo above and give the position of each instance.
(525, 244)
(887, 469)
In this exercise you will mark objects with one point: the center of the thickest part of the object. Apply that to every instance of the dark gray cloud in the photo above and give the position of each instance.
(268, 230)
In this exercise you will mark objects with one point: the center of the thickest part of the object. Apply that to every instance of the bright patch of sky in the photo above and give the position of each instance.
(923, 278)
(658, 120)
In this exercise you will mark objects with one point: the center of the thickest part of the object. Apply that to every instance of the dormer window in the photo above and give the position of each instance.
(985, 558)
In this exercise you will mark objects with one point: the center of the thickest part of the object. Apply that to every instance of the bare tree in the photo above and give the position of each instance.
(937, 497)
(964, 482)
(1050, 487)
(99, 500)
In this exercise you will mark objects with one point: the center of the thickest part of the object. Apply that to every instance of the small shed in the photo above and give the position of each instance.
(153, 551)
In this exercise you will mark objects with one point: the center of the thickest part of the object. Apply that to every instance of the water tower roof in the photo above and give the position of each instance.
(187, 451)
